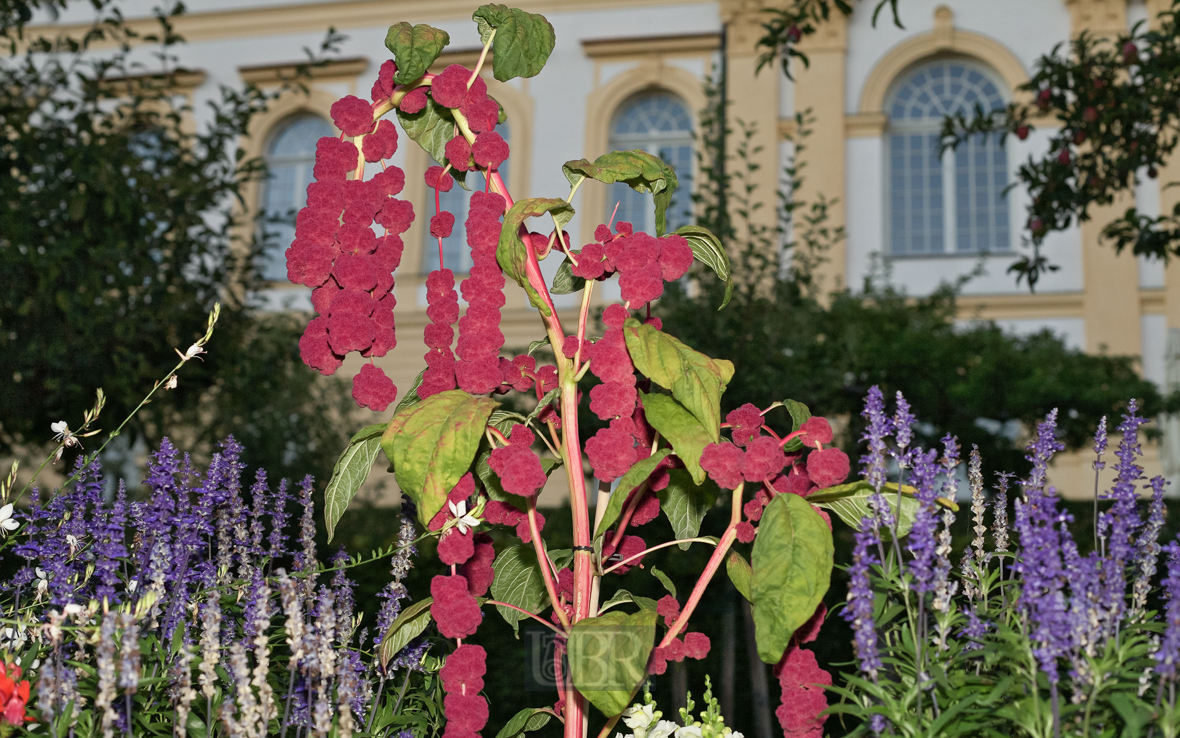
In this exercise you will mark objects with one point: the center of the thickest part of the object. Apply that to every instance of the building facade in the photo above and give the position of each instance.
(629, 73)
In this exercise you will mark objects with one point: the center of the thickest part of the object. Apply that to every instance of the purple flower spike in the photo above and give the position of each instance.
(903, 420)
(860, 600)
(874, 462)
(1100, 445)
(922, 540)
(1167, 657)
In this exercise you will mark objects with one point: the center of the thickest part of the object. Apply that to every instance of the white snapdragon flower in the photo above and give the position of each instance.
(689, 731)
(463, 521)
(639, 717)
(663, 729)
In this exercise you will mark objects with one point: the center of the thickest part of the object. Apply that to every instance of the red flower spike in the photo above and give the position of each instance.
(352, 301)
(675, 257)
(628, 547)
(458, 153)
(753, 510)
(746, 423)
(590, 265)
(614, 315)
(655, 323)
(383, 87)
(455, 547)
(396, 215)
(518, 372)
(449, 87)
(349, 332)
(414, 101)
(795, 484)
(521, 435)
(478, 569)
(565, 584)
(696, 645)
(518, 468)
(723, 463)
(524, 533)
(657, 663)
(466, 713)
(490, 150)
(325, 196)
(674, 651)
(569, 347)
(436, 180)
(809, 631)
(441, 224)
(372, 389)
(828, 467)
(803, 696)
(611, 453)
(314, 348)
(547, 378)
(612, 399)
(816, 431)
(381, 143)
(355, 272)
(454, 610)
(482, 115)
(764, 459)
(464, 670)
(352, 115)
(321, 297)
(647, 510)
(334, 159)
(637, 288)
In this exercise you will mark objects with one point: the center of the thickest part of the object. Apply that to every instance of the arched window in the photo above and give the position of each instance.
(659, 123)
(456, 253)
(290, 158)
(955, 204)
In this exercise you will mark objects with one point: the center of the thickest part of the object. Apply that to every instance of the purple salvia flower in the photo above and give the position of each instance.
(1100, 445)
(109, 551)
(1148, 547)
(305, 561)
(410, 657)
(342, 588)
(860, 600)
(974, 631)
(260, 621)
(210, 644)
(105, 667)
(129, 662)
(259, 494)
(1122, 519)
(364, 689)
(257, 605)
(1000, 511)
(922, 543)
(943, 587)
(1041, 452)
(874, 462)
(1167, 656)
(277, 540)
(878, 723)
(903, 421)
(978, 504)
(394, 592)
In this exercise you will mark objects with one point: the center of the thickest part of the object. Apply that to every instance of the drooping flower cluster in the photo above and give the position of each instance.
(462, 680)
(803, 697)
(691, 645)
(517, 466)
(642, 261)
(480, 338)
(443, 310)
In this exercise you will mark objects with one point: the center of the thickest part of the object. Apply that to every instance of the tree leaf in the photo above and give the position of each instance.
(664, 580)
(696, 381)
(511, 252)
(564, 282)
(409, 625)
(525, 721)
(523, 40)
(685, 503)
(350, 472)
(432, 444)
(708, 250)
(642, 171)
(799, 415)
(539, 343)
(635, 476)
(431, 128)
(790, 573)
(678, 426)
(608, 657)
(739, 573)
(518, 582)
(414, 49)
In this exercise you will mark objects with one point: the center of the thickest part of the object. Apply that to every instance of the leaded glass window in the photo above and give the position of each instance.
(659, 123)
(955, 204)
(290, 158)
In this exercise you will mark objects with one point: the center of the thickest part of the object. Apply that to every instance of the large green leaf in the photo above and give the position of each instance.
(791, 571)
(608, 657)
(678, 426)
(409, 625)
(739, 573)
(696, 381)
(708, 250)
(518, 582)
(431, 446)
(523, 40)
(623, 596)
(799, 415)
(414, 49)
(634, 477)
(851, 503)
(564, 282)
(525, 721)
(431, 128)
(642, 171)
(685, 503)
(511, 252)
(350, 472)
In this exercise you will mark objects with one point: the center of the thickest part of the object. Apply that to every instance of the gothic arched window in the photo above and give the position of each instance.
(659, 123)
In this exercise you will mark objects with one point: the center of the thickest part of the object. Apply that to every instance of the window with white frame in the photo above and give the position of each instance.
(956, 204)
(455, 253)
(290, 159)
(659, 123)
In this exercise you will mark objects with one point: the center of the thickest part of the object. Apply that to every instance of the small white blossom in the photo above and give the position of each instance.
(6, 522)
(638, 717)
(663, 729)
(463, 521)
(193, 351)
(689, 731)
(171, 384)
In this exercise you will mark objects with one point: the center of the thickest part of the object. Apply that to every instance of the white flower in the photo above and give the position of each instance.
(638, 717)
(6, 521)
(663, 729)
(73, 608)
(42, 583)
(72, 541)
(689, 731)
(193, 351)
(171, 384)
(463, 521)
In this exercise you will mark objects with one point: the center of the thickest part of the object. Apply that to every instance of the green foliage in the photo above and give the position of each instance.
(432, 444)
(685, 503)
(608, 657)
(679, 428)
(638, 169)
(512, 254)
(350, 472)
(410, 623)
(523, 40)
(525, 721)
(637, 475)
(414, 49)
(708, 249)
(791, 572)
(518, 582)
(851, 503)
(431, 128)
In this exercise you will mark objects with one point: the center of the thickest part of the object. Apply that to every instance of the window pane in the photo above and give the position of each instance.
(290, 158)
(659, 123)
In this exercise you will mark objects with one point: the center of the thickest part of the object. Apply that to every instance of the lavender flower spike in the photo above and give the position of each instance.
(860, 601)
(1148, 547)
(903, 421)
(922, 542)
(1167, 657)
(1122, 520)
(1040, 453)
(874, 462)
(1100, 445)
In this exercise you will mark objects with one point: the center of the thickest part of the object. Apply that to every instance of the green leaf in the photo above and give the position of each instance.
(696, 381)
(518, 582)
(608, 657)
(739, 573)
(409, 625)
(525, 721)
(431, 128)
(642, 171)
(790, 573)
(685, 503)
(623, 596)
(678, 426)
(411, 397)
(350, 472)
(851, 503)
(548, 399)
(414, 49)
(511, 252)
(564, 282)
(635, 476)
(431, 446)
(523, 40)
(799, 415)
(539, 343)
(664, 580)
(708, 250)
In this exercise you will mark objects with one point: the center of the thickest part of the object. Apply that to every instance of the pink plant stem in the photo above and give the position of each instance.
(646, 551)
(534, 616)
(543, 563)
(715, 560)
(628, 511)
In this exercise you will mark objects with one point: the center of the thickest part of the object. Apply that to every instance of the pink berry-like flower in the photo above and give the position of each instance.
(437, 180)
(334, 158)
(611, 454)
(674, 651)
(441, 224)
(668, 608)
(372, 389)
(478, 569)
(646, 511)
(816, 431)
(746, 423)
(745, 532)
(464, 670)
(449, 87)
(389, 181)
(828, 467)
(590, 265)
(764, 459)
(723, 463)
(314, 348)
(396, 215)
(518, 468)
(614, 315)
(458, 153)
(381, 143)
(383, 87)
(356, 272)
(696, 645)
(482, 115)
(414, 101)
(675, 257)
(613, 399)
(349, 332)
(455, 547)
(657, 663)
(352, 115)
(454, 610)
(490, 150)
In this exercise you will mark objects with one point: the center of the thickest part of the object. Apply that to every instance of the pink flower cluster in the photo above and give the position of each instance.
(803, 697)
(612, 451)
(449, 89)
(692, 645)
(462, 678)
(480, 338)
(442, 308)
(642, 261)
(454, 609)
(517, 466)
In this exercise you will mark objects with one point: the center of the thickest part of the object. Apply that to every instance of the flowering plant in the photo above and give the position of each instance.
(468, 463)
(1030, 637)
